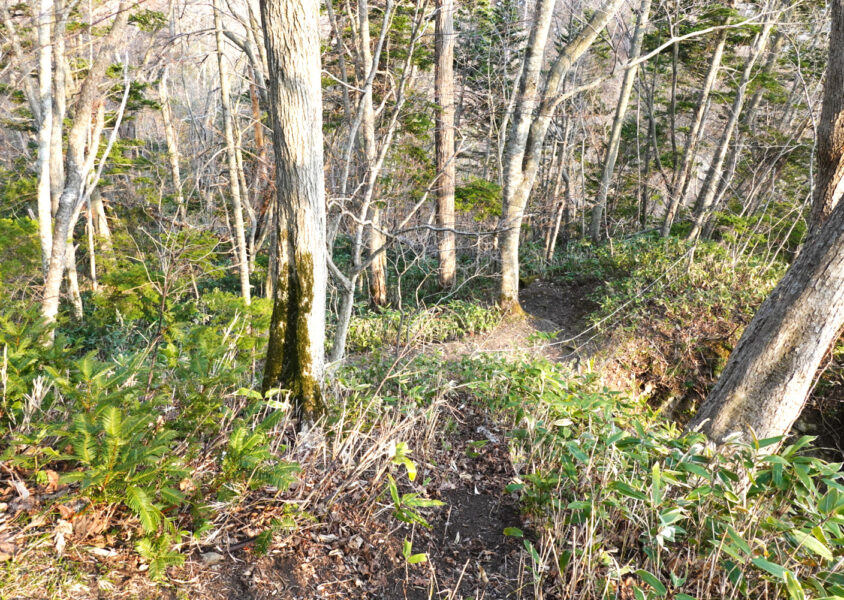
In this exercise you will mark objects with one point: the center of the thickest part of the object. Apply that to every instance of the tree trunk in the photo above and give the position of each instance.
(514, 152)
(59, 104)
(45, 128)
(295, 352)
(682, 182)
(172, 144)
(75, 163)
(768, 376)
(228, 132)
(446, 168)
(376, 239)
(524, 143)
(829, 186)
(706, 198)
(620, 112)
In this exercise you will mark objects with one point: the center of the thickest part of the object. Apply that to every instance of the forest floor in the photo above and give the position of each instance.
(356, 553)
(349, 544)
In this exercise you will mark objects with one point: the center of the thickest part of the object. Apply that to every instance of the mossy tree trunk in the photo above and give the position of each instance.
(295, 354)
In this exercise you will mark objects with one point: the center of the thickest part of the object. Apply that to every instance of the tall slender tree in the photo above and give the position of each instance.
(620, 112)
(231, 154)
(446, 167)
(295, 353)
(534, 109)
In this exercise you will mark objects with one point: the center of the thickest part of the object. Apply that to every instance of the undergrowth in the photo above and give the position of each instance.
(613, 489)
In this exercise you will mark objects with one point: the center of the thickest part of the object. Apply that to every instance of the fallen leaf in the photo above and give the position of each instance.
(60, 531)
(7, 550)
(52, 481)
(90, 523)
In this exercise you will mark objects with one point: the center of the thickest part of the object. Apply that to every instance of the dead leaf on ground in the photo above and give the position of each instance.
(52, 481)
(90, 523)
(60, 532)
(7, 550)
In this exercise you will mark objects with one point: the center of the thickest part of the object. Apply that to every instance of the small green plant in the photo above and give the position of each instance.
(407, 553)
(405, 506)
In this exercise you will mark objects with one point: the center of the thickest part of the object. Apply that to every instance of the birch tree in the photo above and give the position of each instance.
(231, 155)
(706, 197)
(524, 142)
(76, 163)
(620, 112)
(45, 129)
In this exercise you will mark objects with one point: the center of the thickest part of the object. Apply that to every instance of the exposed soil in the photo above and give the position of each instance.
(554, 317)
(353, 553)
(565, 304)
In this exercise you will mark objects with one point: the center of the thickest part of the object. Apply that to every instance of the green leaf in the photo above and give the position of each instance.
(417, 558)
(651, 580)
(795, 590)
(772, 568)
(513, 532)
(656, 485)
(809, 541)
(738, 540)
(141, 504)
(626, 490)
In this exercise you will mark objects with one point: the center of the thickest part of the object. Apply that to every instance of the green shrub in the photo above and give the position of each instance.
(615, 489)
(449, 321)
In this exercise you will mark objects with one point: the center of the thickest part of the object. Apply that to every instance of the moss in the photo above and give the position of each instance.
(289, 363)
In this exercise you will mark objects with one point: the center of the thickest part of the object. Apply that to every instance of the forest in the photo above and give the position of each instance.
(416, 299)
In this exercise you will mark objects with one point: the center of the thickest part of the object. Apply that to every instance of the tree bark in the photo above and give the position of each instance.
(59, 104)
(234, 183)
(524, 143)
(706, 198)
(75, 164)
(45, 129)
(295, 352)
(375, 239)
(682, 183)
(764, 385)
(172, 144)
(446, 168)
(620, 112)
(830, 183)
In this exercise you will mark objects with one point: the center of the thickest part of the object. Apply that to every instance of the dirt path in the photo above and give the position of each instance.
(554, 313)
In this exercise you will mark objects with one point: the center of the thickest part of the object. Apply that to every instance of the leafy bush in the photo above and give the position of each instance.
(439, 324)
(125, 435)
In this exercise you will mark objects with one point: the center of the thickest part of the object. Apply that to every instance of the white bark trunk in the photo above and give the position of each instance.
(45, 128)
(234, 183)
(446, 167)
(295, 353)
(620, 112)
